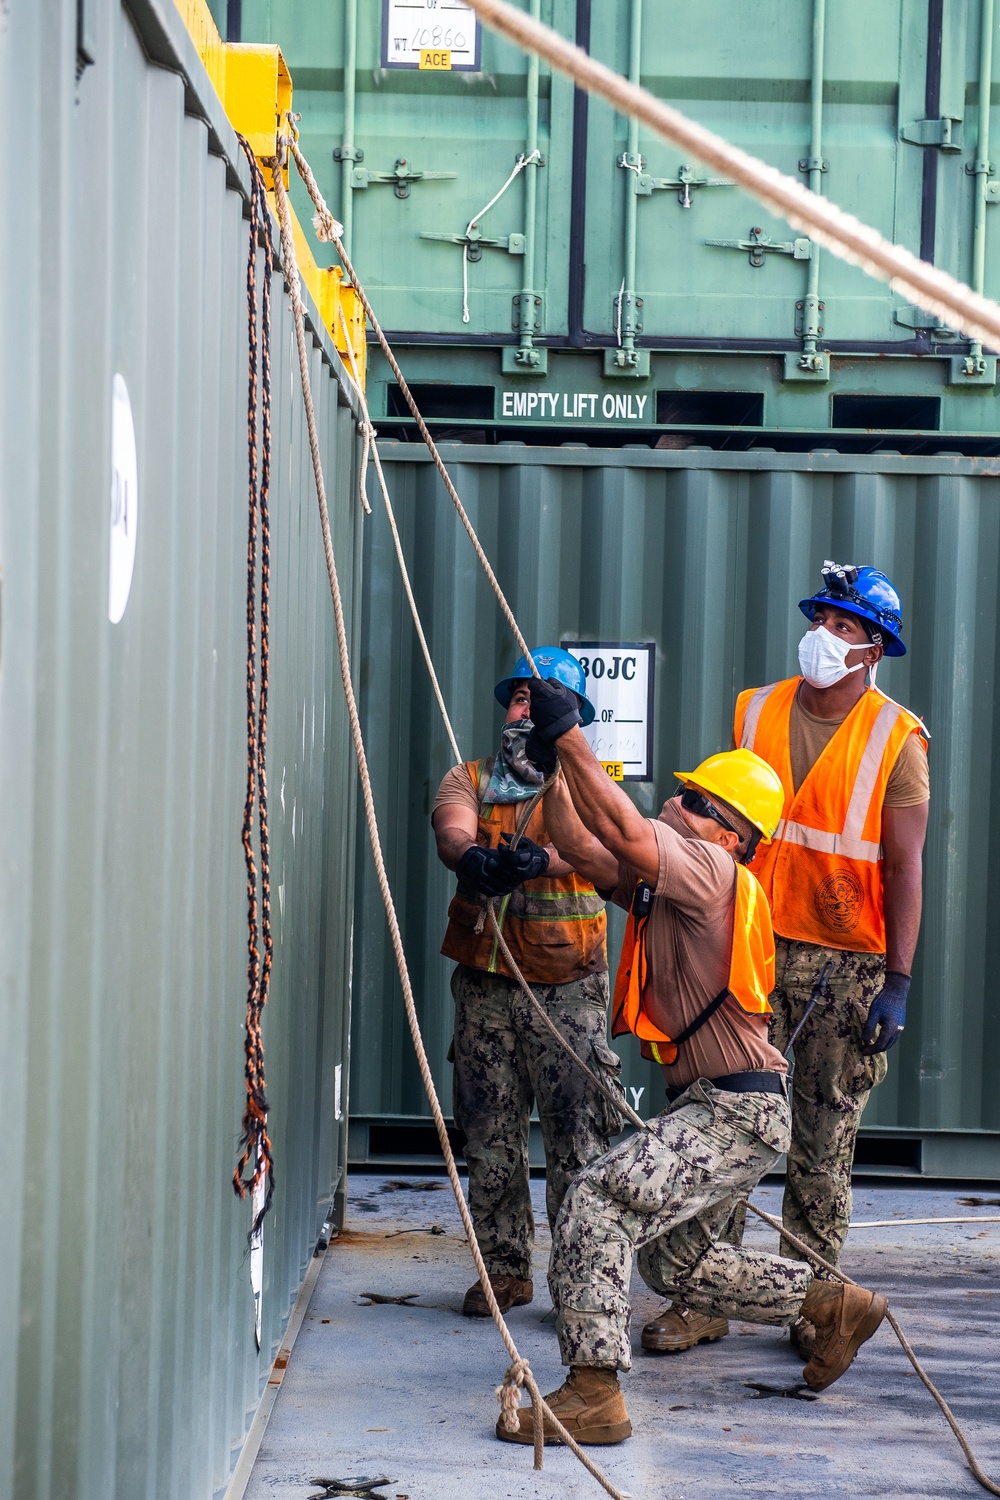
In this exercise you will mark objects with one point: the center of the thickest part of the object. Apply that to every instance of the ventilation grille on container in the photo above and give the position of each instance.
(888, 413)
(447, 402)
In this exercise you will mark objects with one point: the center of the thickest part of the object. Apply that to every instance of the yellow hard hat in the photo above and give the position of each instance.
(746, 782)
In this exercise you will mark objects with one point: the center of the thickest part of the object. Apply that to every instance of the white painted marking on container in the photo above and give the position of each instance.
(124, 500)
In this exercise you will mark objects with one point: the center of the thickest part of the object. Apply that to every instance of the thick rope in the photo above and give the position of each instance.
(543, 1416)
(793, 1239)
(519, 1372)
(400, 559)
(955, 304)
(256, 1159)
(326, 228)
(891, 1223)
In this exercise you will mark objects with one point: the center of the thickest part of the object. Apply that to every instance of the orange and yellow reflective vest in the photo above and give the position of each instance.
(822, 872)
(751, 968)
(555, 927)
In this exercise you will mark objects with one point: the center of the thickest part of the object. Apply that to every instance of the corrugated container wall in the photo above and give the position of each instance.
(705, 555)
(126, 1319)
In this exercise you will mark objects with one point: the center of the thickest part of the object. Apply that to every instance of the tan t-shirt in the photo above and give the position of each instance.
(456, 787)
(909, 781)
(689, 940)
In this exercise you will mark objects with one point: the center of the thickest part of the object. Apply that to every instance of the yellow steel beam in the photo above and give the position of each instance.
(255, 89)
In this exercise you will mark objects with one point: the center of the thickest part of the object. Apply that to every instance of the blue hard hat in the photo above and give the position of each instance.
(864, 592)
(551, 661)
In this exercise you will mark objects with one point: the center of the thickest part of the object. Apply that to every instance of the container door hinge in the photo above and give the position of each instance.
(477, 242)
(758, 244)
(526, 313)
(683, 184)
(401, 176)
(918, 319)
(945, 134)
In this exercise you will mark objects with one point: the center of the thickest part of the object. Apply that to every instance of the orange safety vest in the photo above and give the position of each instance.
(555, 927)
(822, 872)
(751, 968)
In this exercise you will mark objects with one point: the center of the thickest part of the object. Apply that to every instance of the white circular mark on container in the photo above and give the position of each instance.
(124, 500)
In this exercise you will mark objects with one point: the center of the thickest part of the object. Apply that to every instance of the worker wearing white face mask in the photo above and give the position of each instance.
(843, 877)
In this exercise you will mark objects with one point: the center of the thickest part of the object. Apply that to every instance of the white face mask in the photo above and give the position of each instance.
(823, 658)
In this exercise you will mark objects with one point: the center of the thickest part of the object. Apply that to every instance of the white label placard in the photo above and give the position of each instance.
(124, 500)
(620, 686)
(433, 35)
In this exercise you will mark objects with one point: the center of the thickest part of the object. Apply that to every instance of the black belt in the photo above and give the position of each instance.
(740, 1083)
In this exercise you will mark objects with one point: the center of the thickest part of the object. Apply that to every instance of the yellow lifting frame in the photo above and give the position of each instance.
(255, 89)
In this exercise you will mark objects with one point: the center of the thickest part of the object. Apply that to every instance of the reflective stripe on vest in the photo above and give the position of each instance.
(825, 883)
(751, 967)
(554, 926)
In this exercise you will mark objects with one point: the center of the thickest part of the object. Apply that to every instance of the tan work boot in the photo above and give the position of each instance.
(678, 1328)
(589, 1404)
(509, 1291)
(803, 1337)
(843, 1317)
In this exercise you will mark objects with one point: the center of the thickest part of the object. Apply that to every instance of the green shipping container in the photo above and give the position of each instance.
(704, 555)
(126, 1315)
(677, 283)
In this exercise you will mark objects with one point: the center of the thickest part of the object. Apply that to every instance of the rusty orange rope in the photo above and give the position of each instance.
(256, 1162)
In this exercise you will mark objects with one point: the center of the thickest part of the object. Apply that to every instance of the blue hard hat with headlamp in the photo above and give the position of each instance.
(864, 592)
(552, 662)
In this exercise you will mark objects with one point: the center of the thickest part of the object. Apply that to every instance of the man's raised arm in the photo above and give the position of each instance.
(602, 806)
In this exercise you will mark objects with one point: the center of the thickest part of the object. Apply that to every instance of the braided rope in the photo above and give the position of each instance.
(326, 228)
(256, 1161)
(817, 1259)
(371, 444)
(841, 233)
(543, 1415)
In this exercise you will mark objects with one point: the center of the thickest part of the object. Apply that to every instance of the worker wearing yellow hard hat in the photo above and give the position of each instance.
(696, 969)
(843, 879)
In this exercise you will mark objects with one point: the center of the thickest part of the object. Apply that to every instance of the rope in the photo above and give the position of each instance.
(891, 1223)
(858, 244)
(370, 442)
(520, 1369)
(326, 229)
(256, 1160)
(519, 166)
(793, 1239)
(519, 1372)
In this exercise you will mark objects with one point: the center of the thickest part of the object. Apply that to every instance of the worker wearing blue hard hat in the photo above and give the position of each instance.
(553, 663)
(490, 830)
(843, 876)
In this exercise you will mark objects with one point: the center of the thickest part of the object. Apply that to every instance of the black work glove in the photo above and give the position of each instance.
(528, 861)
(886, 1015)
(555, 709)
(541, 755)
(484, 870)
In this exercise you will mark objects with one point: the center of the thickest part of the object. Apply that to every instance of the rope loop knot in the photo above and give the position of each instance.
(509, 1394)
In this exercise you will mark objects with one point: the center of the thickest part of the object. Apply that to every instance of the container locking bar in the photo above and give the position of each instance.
(758, 244)
(401, 176)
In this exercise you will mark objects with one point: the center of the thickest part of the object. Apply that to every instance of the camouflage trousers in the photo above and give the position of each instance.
(670, 1193)
(505, 1061)
(830, 1084)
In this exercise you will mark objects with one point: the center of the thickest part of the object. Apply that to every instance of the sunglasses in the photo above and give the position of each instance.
(694, 802)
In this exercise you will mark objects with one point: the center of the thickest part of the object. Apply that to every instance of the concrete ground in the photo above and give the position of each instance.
(405, 1393)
